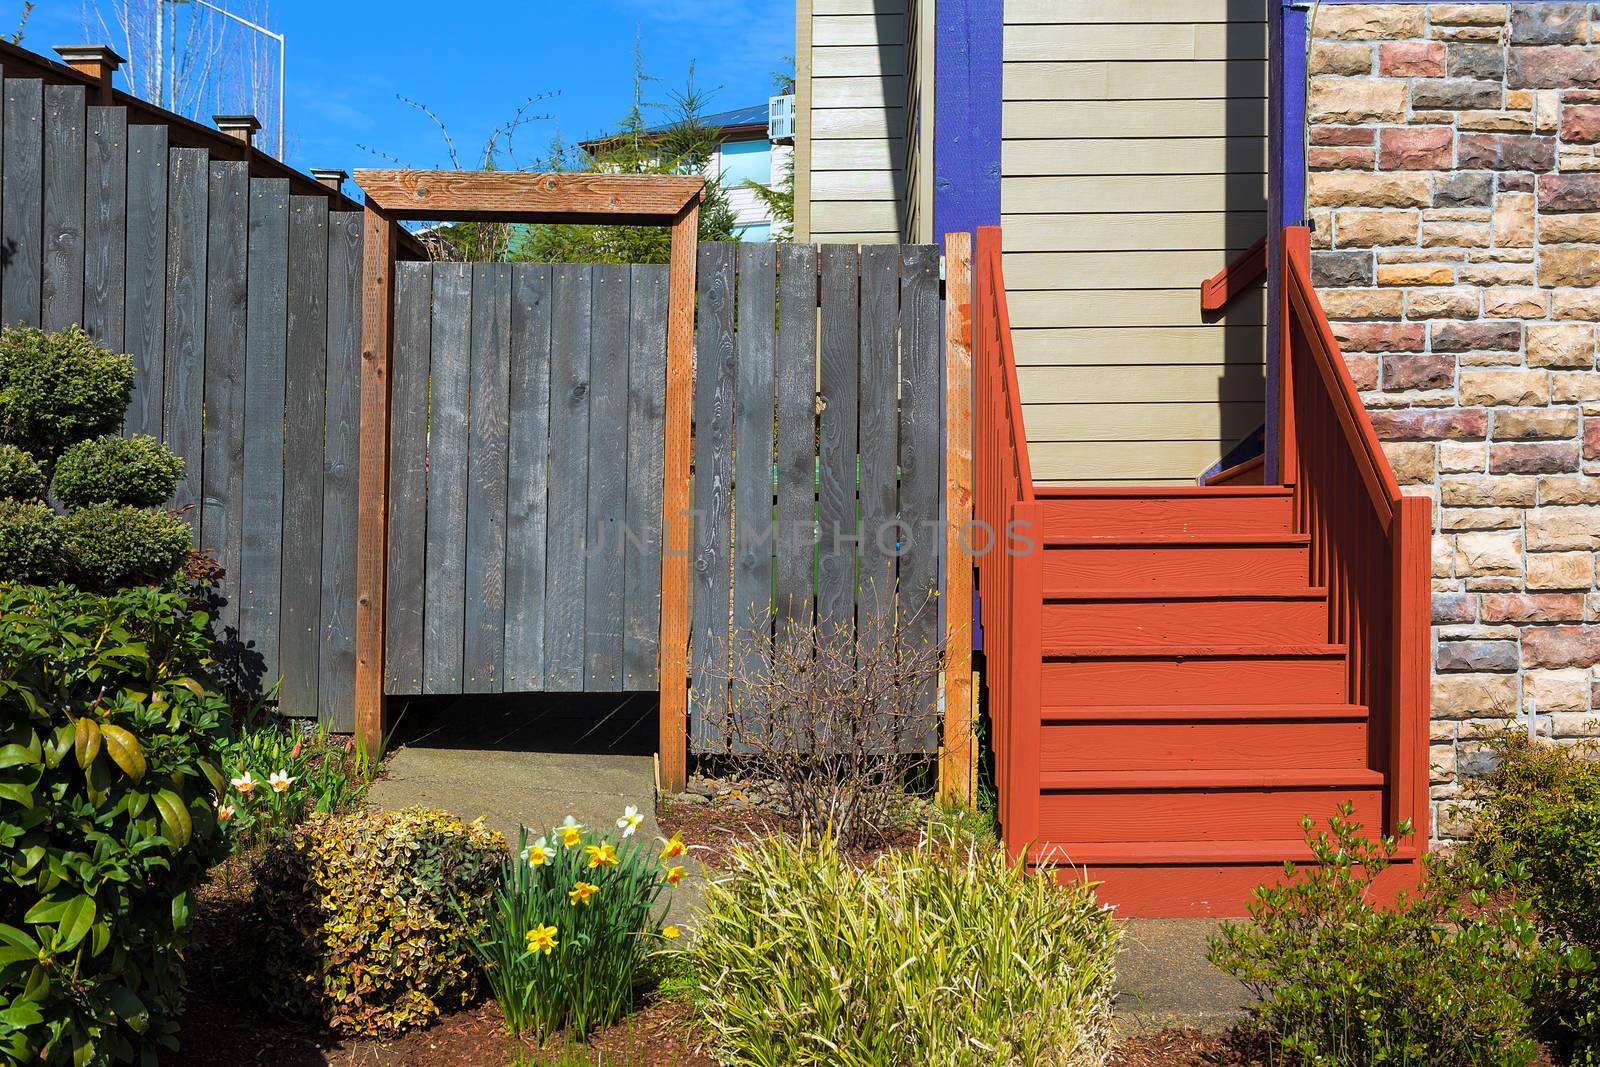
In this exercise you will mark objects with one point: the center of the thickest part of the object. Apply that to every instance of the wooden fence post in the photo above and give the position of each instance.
(673, 665)
(372, 522)
(958, 755)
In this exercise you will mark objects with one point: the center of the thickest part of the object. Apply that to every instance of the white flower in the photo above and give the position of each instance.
(244, 783)
(279, 780)
(570, 832)
(537, 854)
(630, 821)
(225, 812)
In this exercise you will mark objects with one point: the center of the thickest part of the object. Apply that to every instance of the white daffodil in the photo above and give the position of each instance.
(570, 832)
(630, 821)
(537, 854)
(280, 781)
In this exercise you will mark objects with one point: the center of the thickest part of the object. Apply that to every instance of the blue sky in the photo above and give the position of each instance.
(475, 61)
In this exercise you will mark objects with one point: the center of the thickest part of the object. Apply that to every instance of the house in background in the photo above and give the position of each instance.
(745, 152)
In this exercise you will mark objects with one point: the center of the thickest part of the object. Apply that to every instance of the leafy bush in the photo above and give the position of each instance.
(138, 471)
(570, 925)
(20, 476)
(1538, 825)
(59, 388)
(108, 763)
(31, 548)
(1441, 978)
(111, 546)
(933, 956)
(367, 920)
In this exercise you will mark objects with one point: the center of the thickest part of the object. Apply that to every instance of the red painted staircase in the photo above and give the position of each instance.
(1177, 675)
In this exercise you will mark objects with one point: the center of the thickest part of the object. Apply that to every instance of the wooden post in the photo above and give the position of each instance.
(1411, 535)
(1025, 639)
(673, 665)
(958, 757)
(372, 523)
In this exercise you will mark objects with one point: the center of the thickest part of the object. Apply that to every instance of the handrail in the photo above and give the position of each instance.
(1218, 290)
(1003, 359)
(1370, 545)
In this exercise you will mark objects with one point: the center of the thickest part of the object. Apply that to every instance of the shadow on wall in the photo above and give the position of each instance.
(894, 65)
(587, 723)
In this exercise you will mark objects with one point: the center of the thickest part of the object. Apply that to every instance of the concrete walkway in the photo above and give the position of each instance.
(1164, 979)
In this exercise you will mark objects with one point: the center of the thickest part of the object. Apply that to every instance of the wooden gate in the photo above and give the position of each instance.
(526, 478)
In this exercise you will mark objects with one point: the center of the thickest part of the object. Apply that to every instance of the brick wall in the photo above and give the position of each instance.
(1455, 194)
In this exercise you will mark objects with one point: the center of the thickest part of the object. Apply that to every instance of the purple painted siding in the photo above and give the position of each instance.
(966, 133)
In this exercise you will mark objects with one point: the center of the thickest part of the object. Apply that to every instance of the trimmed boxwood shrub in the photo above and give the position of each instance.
(20, 475)
(110, 734)
(59, 388)
(30, 542)
(110, 546)
(138, 471)
(367, 920)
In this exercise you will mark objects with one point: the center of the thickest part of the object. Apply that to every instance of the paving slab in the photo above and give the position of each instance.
(1164, 979)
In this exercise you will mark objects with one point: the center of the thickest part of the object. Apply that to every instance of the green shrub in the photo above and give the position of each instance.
(932, 956)
(108, 766)
(1441, 978)
(31, 548)
(137, 471)
(20, 476)
(570, 925)
(59, 388)
(110, 546)
(1537, 823)
(367, 920)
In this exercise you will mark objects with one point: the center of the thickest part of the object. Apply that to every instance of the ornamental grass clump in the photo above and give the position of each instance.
(941, 955)
(571, 923)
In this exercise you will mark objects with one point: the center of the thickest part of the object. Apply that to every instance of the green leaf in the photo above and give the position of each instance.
(129, 1008)
(75, 922)
(86, 740)
(17, 793)
(18, 755)
(38, 985)
(175, 816)
(10, 935)
(214, 776)
(21, 1014)
(124, 750)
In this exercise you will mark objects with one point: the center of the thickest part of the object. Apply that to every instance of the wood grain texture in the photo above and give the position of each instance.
(647, 400)
(408, 477)
(183, 384)
(483, 662)
(755, 357)
(340, 502)
(607, 507)
(379, 236)
(145, 315)
(958, 754)
(797, 427)
(227, 262)
(528, 476)
(65, 132)
(444, 620)
(920, 435)
(516, 196)
(838, 526)
(22, 203)
(572, 317)
(106, 224)
(878, 376)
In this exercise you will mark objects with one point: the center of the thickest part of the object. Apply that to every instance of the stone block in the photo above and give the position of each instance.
(1350, 101)
(1550, 691)
(1416, 274)
(1344, 135)
(1351, 304)
(1496, 121)
(1567, 387)
(1464, 190)
(1370, 190)
(1329, 57)
(1561, 646)
(1467, 14)
(1455, 303)
(1481, 490)
(1367, 22)
(1455, 235)
(1562, 344)
(1580, 123)
(1366, 229)
(1412, 462)
(1583, 228)
(1381, 336)
(1468, 656)
(1484, 62)
(1455, 94)
(1574, 265)
(1485, 553)
(1531, 607)
(1474, 696)
(1575, 304)
(1561, 570)
(1568, 192)
(1342, 158)
(1514, 220)
(1504, 151)
(1584, 724)
(1553, 67)
(1453, 424)
(1568, 489)
(1549, 23)
(1514, 303)
(1405, 372)
(1532, 424)
(1476, 337)
(1342, 269)
(1463, 457)
(1412, 59)
(1534, 457)
(1563, 528)
(1454, 607)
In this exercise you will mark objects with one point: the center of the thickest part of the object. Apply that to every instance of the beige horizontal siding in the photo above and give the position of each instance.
(1133, 346)
(1099, 231)
(1149, 155)
(883, 153)
(1134, 80)
(1023, 194)
(1175, 119)
(1181, 421)
(1025, 44)
(853, 185)
(1107, 270)
(859, 62)
(1088, 12)
(860, 92)
(1122, 462)
(833, 217)
(1121, 307)
(858, 30)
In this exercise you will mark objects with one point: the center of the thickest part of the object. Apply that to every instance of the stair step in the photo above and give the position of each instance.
(1166, 745)
(1234, 778)
(1072, 713)
(1137, 853)
(1172, 509)
(1175, 563)
(1152, 616)
(1179, 674)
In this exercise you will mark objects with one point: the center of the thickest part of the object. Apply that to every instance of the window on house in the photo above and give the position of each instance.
(758, 231)
(746, 161)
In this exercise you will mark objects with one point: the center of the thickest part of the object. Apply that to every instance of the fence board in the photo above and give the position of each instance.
(444, 622)
(565, 542)
(837, 441)
(797, 423)
(260, 561)
(408, 474)
(483, 668)
(222, 473)
(337, 655)
(647, 399)
(105, 224)
(529, 458)
(183, 382)
(64, 133)
(879, 383)
(22, 214)
(144, 315)
(756, 345)
(305, 395)
(921, 454)
(713, 493)
(604, 584)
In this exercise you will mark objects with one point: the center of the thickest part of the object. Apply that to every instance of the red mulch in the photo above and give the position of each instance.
(1190, 1048)
(225, 1027)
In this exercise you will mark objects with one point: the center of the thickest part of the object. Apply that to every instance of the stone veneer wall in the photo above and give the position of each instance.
(1455, 198)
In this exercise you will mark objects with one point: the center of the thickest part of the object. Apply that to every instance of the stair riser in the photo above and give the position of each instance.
(1260, 745)
(1220, 680)
(1173, 568)
(1125, 816)
(1200, 891)
(1185, 622)
(1113, 517)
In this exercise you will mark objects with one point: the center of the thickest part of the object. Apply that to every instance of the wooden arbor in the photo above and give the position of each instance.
(394, 196)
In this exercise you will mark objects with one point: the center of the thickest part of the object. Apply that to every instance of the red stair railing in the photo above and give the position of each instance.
(1011, 564)
(1370, 545)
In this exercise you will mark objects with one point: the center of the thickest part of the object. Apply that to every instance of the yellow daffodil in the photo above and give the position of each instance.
(674, 849)
(671, 933)
(581, 892)
(570, 832)
(674, 875)
(225, 812)
(601, 855)
(244, 783)
(537, 854)
(280, 781)
(542, 939)
(630, 821)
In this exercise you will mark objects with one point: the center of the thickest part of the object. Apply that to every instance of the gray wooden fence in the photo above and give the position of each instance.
(240, 304)
(817, 460)
(526, 478)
